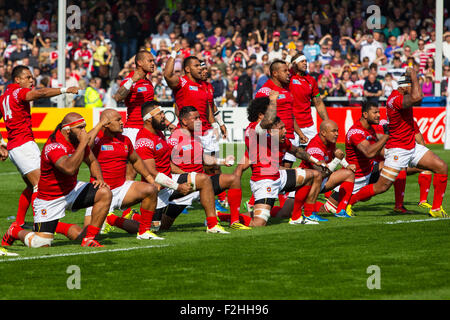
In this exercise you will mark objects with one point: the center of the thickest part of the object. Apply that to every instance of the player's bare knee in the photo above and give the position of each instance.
(442, 167)
(150, 190)
(349, 175)
(104, 195)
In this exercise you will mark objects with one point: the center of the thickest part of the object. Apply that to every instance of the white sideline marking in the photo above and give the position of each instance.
(81, 253)
(417, 220)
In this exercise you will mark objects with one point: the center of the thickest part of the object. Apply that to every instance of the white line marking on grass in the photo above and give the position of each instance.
(417, 220)
(81, 253)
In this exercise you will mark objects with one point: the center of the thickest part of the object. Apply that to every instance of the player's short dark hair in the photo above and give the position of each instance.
(257, 106)
(185, 111)
(188, 61)
(140, 56)
(276, 121)
(17, 72)
(366, 105)
(149, 105)
(274, 65)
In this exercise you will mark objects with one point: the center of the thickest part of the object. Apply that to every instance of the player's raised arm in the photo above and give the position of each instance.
(70, 165)
(371, 150)
(124, 89)
(171, 78)
(415, 95)
(49, 92)
(271, 112)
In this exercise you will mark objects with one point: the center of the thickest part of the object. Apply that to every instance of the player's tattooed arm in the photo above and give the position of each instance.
(175, 169)
(271, 112)
(416, 95)
(320, 107)
(124, 90)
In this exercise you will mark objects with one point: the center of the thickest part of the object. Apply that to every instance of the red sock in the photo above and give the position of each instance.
(211, 222)
(274, 211)
(251, 201)
(114, 220)
(127, 211)
(146, 220)
(363, 194)
(24, 203)
(399, 188)
(91, 231)
(234, 200)
(439, 184)
(222, 196)
(224, 216)
(345, 193)
(424, 181)
(328, 194)
(63, 228)
(282, 198)
(15, 231)
(245, 220)
(299, 200)
(318, 206)
(309, 209)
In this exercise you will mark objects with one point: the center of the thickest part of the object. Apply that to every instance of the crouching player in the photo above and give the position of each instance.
(266, 145)
(113, 151)
(189, 156)
(323, 148)
(59, 190)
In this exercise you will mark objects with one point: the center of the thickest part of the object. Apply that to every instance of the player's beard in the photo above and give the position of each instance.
(158, 125)
(73, 139)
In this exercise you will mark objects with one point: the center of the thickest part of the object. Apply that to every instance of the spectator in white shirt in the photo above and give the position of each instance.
(369, 48)
(446, 48)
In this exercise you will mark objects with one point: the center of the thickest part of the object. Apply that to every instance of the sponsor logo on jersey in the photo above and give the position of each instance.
(107, 147)
(281, 96)
(158, 146)
(193, 88)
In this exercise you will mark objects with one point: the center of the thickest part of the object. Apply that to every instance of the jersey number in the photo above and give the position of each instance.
(6, 109)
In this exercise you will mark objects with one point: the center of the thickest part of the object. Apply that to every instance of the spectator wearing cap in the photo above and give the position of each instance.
(275, 38)
(312, 49)
(292, 44)
(368, 47)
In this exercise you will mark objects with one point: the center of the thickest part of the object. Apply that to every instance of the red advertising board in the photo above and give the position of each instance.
(431, 121)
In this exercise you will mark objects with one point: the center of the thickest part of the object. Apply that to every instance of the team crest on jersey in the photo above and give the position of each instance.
(158, 146)
(395, 158)
(141, 89)
(107, 147)
(43, 212)
(193, 88)
(269, 189)
(186, 147)
(126, 148)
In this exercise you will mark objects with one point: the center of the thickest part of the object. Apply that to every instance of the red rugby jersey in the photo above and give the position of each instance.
(284, 105)
(187, 152)
(265, 158)
(53, 183)
(141, 91)
(401, 123)
(16, 114)
(154, 146)
(355, 135)
(190, 93)
(303, 89)
(320, 151)
(112, 153)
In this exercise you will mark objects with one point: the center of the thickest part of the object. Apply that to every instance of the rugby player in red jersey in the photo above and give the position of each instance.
(305, 91)
(23, 151)
(266, 144)
(401, 148)
(113, 150)
(323, 148)
(59, 190)
(152, 147)
(188, 155)
(364, 145)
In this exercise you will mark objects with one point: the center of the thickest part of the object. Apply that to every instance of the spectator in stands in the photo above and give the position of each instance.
(245, 88)
(428, 86)
(92, 97)
(373, 88)
(413, 41)
(312, 49)
(368, 47)
(389, 85)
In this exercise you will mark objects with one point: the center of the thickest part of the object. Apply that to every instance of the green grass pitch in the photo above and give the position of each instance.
(277, 262)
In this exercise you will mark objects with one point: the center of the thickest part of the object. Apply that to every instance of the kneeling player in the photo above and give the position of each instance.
(113, 151)
(59, 189)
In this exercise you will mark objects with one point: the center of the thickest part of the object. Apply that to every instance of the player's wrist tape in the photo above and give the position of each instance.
(74, 124)
(218, 118)
(333, 164)
(152, 113)
(344, 163)
(173, 54)
(63, 90)
(313, 160)
(222, 162)
(127, 85)
(165, 181)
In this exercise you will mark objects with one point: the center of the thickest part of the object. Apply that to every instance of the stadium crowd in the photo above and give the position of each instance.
(238, 41)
